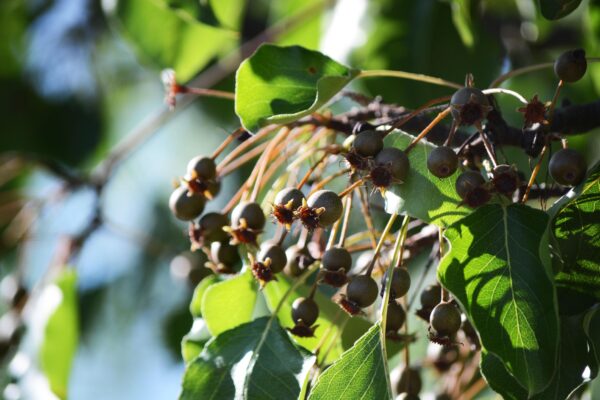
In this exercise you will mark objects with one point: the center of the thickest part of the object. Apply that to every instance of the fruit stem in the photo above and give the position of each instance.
(506, 91)
(333, 234)
(488, 146)
(416, 112)
(311, 170)
(408, 75)
(328, 179)
(534, 173)
(385, 232)
(221, 94)
(428, 128)
(520, 71)
(554, 100)
(364, 208)
(243, 146)
(350, 188)
(346, 220)
(226, 143)
(264, 160)
(444, 293)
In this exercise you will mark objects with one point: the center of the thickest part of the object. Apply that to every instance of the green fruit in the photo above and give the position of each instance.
(567, 167)
(368, 143)
(362, 290)
(276, 253)
(410, 381)
(251, 212)
(336, 258)
(298, 259)
(431, 296)
(289, 194)
(395, 317)
(400, 282)
(396, 160)
(305, 310)
(211, 225)
(203, 167)
(184, 206)
(469, 105)
(445, 319)
(467, 182)
(442, 162)
(571, 65)
(330, 202)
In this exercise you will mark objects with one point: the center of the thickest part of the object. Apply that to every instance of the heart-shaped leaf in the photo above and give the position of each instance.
(576, 229)
(423, 195)
(228, 304)
(359, 374)
(556, 9)
(256, 360)
(277, 85)
(494, 270)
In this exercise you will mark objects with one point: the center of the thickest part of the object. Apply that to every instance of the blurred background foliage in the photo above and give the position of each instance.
(77, 76)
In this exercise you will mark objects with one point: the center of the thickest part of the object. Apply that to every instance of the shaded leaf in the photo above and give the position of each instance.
(193, 342)
(256, 360)
(494, 270)
(196, 303)
(359, 374)
(277, 85)
(556, 9)
(576, 229)
(461, 16)
(423, 195)
(172, 38)
(499, 379)
(61, 335)
(229, 12)
(331, 317)
(591, 327)
(228, 304)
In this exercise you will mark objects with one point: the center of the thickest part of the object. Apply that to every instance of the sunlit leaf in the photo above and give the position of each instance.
(277, 85)
(229, 12)
(461, 16)
(196, 303)
(494, 270)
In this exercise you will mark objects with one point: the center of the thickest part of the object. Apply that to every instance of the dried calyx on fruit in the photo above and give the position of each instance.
(287, 201)
(567, 167)
(336, 263)
(505, 179)
(322, 209)
(262, 271)
(534, 112)
(391, 166)
(361, 292)
(201, 177)
(247, 222)
(208, 229)
(305, 312)
(470, 186)
(442, 162)
(469, 106)
(571, 65)
(444, 322)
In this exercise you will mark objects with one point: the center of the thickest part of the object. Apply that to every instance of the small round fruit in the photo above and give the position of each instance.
(276, 253)
(410, 381)
(298, 259)
(330, 202)
(225, 253)
(336, 258)
(505, 179)
(467, 182)
(212, 224)
(251, 212)
(184, 206)
(468, 105)
(395, 317)
(306, 310)
(400, 282)
(396, 160)
(442, 162)
(431, 296)
(362, 290)
(445, 319)
(571, 65)
(203, 167)
(567, 167)
(368, 143)
(285, 195)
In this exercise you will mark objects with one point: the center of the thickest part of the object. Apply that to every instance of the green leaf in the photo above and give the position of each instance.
(557, 9)
(193, 342)
(308, 34)
(423, 195)
(172, 38)
(229, 12)
(359, 374)
(461, 16)
(576, 229)
(228, 304)
(277, 85)
(61, 335)
(494, 270)
(331, 318)
(574, 357)
(256, 360)
(196, 303)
